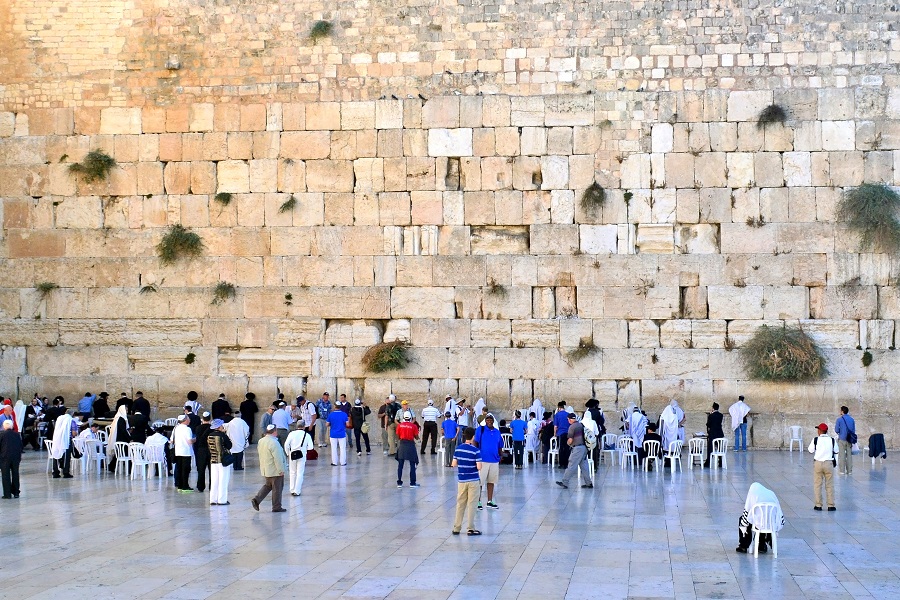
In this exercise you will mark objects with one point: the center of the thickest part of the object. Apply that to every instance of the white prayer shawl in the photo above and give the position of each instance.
(738, 411)
(238, 432)
(62, 436)
(669, 424)
(479, 405)
(637, 427)
(537, 408)
(680, 413)
(195, 406)
(626, 414)
(451, 407)
(759, 494)
(531, 435)
(19, 411)
(588, 421)
(122, 413)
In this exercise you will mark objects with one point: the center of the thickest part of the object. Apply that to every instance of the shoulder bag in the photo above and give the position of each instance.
(298, 454)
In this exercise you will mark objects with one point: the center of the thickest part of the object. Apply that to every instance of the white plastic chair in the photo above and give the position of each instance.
(93, 453)
(155, 454)
(157, 424)
(49, 446)
(507, 441)
(172, 422)
(625, 447)
(673, 454)
(441, 449)
(591, 468)
(42, 433)
(553, 453)
(696, 450)
(123, 460)
(608, 446)
(82, 461)
(138, 459)
(764, 515)
(720, 450)
(102, 436)
(651, 447)
(796, 436)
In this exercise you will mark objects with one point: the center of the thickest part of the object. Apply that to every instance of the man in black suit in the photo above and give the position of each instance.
(650, 436)
(141, 405)
(248, 411)
(713, 429)
(193, 420)
(140, 427)
(10, 457)
(220, 409)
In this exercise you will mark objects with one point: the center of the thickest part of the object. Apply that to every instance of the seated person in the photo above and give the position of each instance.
(650, 436)
(90, 433)
(756, 495)
(504, 427)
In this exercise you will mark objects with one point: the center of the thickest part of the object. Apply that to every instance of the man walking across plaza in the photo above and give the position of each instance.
(578, 457)
(845, 428)
(272, 463)
(338, 421)
(467, 461)
(430, 417)
(281, 418)
(10, 456)
(823, 450)
(561, 431)
(490, 443)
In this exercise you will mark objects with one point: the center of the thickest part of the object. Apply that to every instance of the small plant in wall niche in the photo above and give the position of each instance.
(586, 347)
(783, 354)
(45, 287)
(288, 205)
(223, 198)
(288, 299)
(771, 114)
(149, 289)
(190, 358)
(320, 30)
(592, 198)
(495, 288)
(222, 292)
(866, 358)
(96, 166)
(755, 222)
(386, 356)
(870, 211)
(627, 196)
(177, 243)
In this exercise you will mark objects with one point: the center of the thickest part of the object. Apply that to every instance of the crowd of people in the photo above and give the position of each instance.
(472, 440)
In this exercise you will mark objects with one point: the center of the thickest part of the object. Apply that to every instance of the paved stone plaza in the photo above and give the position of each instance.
(354, 534)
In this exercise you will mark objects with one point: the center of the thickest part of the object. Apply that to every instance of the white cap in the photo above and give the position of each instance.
(407, 416)
(431, 403)
(392, 397)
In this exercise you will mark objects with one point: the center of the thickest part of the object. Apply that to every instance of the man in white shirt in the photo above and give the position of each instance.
(183, 441)
(239, 433)
(91, 433)
(823, 450)
(430, 426)
(281, 418)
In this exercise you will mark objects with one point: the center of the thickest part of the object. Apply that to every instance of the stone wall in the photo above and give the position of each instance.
(438, 156)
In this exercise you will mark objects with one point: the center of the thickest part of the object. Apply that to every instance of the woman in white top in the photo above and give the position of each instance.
(298, 441)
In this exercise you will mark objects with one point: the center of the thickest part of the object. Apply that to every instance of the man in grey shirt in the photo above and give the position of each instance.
(578, 455)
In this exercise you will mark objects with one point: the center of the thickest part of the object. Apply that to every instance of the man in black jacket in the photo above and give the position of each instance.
(140, 427)
(141, 405)
(220, 409)
(10, 457)
(713, 429)
(248, 411)
(201, 450)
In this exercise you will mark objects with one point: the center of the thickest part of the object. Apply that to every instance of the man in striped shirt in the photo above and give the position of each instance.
(467, 461)
(430, 417)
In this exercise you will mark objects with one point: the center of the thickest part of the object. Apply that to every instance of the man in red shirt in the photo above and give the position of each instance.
(408, 432)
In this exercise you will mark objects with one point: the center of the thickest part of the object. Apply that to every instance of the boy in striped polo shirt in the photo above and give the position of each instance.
(467, 460)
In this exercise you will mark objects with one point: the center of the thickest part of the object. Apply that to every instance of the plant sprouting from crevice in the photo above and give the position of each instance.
(586, 347)
(495, 288)
(190, 358)
(866, 358)
(96, 166)
(223, 198)
(149, 289)
(320, 30)
(288, 205)
(45, 287)
(386, 356)
(592, 198)
(783, 354)
(222, 292)
(179, 242)
(871, 211)
(771, 114)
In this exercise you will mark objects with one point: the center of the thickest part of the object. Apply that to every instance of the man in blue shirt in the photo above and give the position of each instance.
(561, 431)
(518, 428)
(845, 428)
(86, 404)
(467, 459)
(490, 442)
(338, 421)
(451, 429)
(323, 408)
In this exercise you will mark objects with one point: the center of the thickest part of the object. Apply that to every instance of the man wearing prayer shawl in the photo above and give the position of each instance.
(670, 421)
(62, 446)
(637, 426)
(757, 495)
(739, 411)
(118, 432)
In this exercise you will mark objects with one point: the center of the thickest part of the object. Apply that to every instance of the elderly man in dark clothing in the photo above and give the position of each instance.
(10, 457)
(248, 410)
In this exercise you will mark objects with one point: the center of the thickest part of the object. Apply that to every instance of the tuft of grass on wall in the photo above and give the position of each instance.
(177, 243)
(771, 114)
(288, 205)
(320, 30)
(783, 354)
(592, 198)
(222, 292)
(149, 289)
(45, 287)
(96, 166)
(386, 356)
(866, 358)
(871, 211)
(586, 348)
(494, 288)
(223, 198)
(190, 358)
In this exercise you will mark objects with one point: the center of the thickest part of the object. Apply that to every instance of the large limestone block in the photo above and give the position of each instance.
(797, 169)
(746, 105)
(543, 304)
(79, 213)
(117, 121)
(729, 302)
(697, 239)
(305, 145)
(256, 362)
(353, 333)
(297, 332)
(610, 333)
(709, 169)
(833, 334)
(328, 362)
(441, 111)
(598, 239)
(450, 142)
(636, 171)
(12, 363)
(329, 176)
(516, 363)
(737, 238)
(233, 176)
(526, 110)
(499, 240)
(838, 135)
(28, 332)
(682, 363)
(569, 110)
(844, 302)
(655, 238)
(326, 303)
(554, 239)
(62, 360)
(491, 333)
(628, 363)
(358, 115)
(785, 302)
(92, 332)
(514, 303)
(388, 114)
(708, 333)
(643, 334)
(538, 333)
(433, 303)
(573, 331)
(442, 333)
(471, 362)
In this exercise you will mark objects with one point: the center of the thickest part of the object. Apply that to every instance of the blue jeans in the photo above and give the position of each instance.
(740, 432)
(412, 472)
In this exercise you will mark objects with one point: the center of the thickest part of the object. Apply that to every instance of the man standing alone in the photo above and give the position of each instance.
(714, 430)
(823, 451)
(578, 456)
(10, 457)
(845, 428)
(739, 411)
(183, 441)
(273, 464)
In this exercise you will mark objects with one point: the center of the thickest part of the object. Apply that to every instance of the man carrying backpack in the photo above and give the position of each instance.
(823, 450)
(845, 428)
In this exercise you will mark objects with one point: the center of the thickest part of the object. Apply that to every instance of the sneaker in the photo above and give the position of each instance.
(588, 486)
(255, 504)
(492, 505)
(359, 453)
(562, 485)
(817, 508)
(415, 485)
(831, 509)
(279, 510)
(400, 485)
(385, 453)
(368, 453)
(480, 507)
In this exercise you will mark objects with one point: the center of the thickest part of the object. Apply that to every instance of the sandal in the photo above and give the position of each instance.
(473, 532)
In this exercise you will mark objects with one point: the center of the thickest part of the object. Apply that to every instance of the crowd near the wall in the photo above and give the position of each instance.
(469, 438)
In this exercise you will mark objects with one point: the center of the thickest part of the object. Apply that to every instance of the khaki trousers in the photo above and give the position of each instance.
(823, 472)
(845, 456)
(392, 438)
(466, 499)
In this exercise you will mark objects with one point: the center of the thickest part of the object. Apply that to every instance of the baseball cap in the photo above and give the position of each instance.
(407, 416)
(431, 403)
(404, 402)
(822, 427)
(572, 416)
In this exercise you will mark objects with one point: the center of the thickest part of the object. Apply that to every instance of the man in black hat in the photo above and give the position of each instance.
(248, 410)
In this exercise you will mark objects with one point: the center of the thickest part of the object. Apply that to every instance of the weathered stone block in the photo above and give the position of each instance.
(115, 121)
(432, 303)
(553, 239)
(729, 302)
(256, 362)
(450, 142)
(655, 239)
(329, 176)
